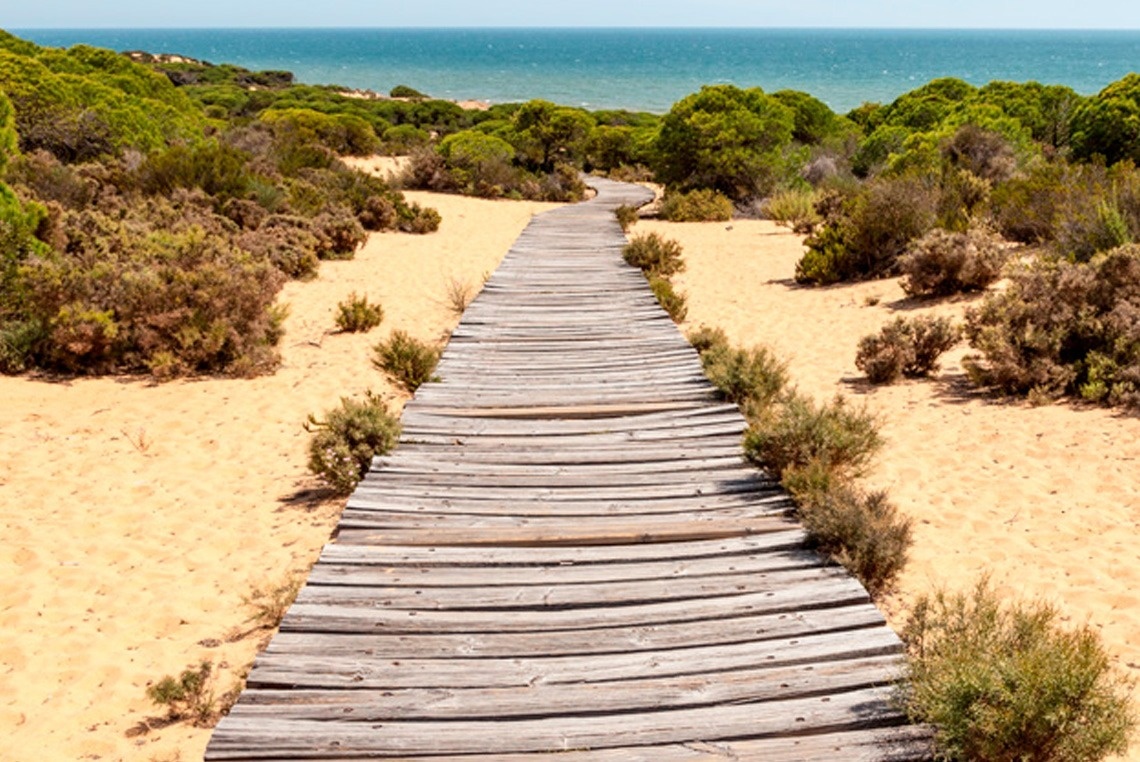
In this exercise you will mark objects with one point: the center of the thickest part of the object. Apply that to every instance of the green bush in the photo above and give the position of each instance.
(345, 442)
(626, 216)
(188, 696)
(798, 432)
(654, 255)
(407, 361)
(356, 315)
(118, 294)
(793, 208)
(943, 263)
(418, 220)
(1063, 328)
(905, 348)
(403, 91)
(1108, 124)
(752, 378)
(860, 530)
(670, 300)
(700, 205)
(1004, 682)
(870, 231)
(705, 338)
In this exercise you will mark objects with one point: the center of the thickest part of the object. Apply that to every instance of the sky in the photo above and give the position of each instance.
(996, 14)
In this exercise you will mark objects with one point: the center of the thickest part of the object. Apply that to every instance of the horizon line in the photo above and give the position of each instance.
(564, 27)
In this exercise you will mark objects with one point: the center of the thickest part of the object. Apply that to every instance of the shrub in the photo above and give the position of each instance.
(799, 431)
(654, 255)
(419, 220)
(671, 301)
(338, 234)
(752, 378)
(348, 438)
(793, 208)
(356, 315)
(626, 216)
(1063, 328)
(286, 243)
(905, 348)
(869, 233)
(705, 338)
(943, 263)
(460, 293)
(1003, 682)
(407, 361)
(860, 530)
(270, 603)
(700, 205)
(188, 696)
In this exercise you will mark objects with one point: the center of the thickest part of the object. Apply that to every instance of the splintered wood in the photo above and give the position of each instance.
(567, 554)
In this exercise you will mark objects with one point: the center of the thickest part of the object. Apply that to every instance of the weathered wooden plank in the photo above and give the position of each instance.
(564, 596)
(363, 575)
(623, 639)
(824, 594)
(641, 693)
(344, 552)
(869, 707)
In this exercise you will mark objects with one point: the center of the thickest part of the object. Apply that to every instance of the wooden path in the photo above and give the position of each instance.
(567, 553)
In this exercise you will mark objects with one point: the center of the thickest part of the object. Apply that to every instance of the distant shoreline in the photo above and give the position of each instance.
(642, 69)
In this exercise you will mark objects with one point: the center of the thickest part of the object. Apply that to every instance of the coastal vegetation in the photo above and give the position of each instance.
(143, 230)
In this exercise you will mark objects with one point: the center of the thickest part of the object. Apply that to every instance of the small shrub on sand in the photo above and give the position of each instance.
(269, 604)
(419, 220)
(861, 530)
(752, 378)
(654, 255)
(701, 205)
(188, 696)
(904, 347)
(1006, 682)
(794, 209)
(705, 338)
(798, 431)
(460, 293)
(626, 216)
(672, 301)
(345, 442)
(357, 315)
(943, 263)
(408, 362)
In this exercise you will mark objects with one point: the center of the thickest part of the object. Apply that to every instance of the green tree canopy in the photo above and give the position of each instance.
(725, 138)
(1108, 124)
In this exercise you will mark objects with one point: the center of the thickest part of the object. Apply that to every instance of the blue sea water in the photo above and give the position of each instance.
(642, 69)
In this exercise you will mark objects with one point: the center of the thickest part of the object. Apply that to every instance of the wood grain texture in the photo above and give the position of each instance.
(567, 555)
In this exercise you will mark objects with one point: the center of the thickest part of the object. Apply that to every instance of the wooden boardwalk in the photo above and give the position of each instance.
(568, 554)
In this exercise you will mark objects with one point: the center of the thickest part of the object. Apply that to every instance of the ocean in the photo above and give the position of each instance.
(642, 69)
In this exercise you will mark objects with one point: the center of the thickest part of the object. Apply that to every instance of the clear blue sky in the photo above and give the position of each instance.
(1057, 14)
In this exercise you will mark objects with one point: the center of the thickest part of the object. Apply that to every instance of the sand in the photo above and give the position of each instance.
(1046, 500)
(134, 518)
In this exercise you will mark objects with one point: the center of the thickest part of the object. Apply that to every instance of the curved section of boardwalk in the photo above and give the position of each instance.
(567, 554)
